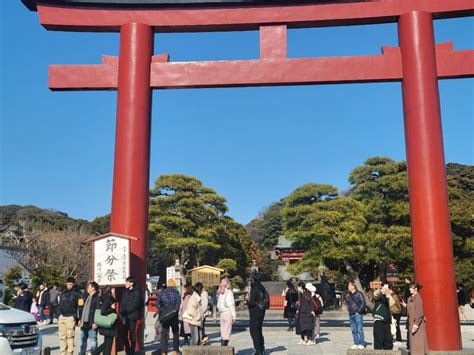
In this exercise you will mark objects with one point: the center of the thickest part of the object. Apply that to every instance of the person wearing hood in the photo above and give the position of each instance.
(226, 306)
(193, 314)
(257, 307)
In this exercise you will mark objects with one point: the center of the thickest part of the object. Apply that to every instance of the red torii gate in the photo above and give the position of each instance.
(417, 63)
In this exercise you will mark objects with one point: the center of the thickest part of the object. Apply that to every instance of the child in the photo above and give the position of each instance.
(34, 309)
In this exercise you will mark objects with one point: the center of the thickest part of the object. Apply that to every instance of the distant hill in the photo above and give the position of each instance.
(17, 221)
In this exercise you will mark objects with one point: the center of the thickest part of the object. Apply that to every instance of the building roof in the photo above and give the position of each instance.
(284, 243)
(207, 267)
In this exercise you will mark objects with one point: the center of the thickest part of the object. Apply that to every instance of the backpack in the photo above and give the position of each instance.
(263, 299)
(319, 309)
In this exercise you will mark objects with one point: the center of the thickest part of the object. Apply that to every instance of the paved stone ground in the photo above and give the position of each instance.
(335, 338)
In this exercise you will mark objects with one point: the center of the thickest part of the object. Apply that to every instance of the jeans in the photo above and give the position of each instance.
(91, 334)
(291, 322)
(42, 316)
(357, 327)
(174, 324)
(195, 334)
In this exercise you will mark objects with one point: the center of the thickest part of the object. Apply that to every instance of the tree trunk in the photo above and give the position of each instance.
(355, 276)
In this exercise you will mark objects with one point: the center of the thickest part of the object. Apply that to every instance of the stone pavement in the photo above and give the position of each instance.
(335, 338)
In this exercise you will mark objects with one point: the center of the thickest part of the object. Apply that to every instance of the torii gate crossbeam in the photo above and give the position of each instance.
(418, 63)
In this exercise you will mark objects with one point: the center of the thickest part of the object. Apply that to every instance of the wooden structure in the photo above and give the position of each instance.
(209, 276)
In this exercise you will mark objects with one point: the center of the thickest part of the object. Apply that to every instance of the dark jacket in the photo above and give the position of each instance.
(23, 302)
(291, 299)
(169, 296)
(68, 305)
(95, 304)
(53, 296)
(132, 306)
(356, 303)
(256, 294)
(381, 310)
(44, 298)
(105, 310)
(305, 318)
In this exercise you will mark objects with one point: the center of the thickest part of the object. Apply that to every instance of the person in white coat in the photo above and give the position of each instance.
(205, 311)
(193, 316)
(226, 306)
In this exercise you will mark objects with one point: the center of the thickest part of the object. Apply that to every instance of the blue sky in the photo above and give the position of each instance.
(252, 145)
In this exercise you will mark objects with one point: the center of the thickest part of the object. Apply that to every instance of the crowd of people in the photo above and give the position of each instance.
(94, 312)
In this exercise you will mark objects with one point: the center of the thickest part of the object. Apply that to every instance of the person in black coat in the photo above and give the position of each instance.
(291, 298)
(257, 310)
(131, 310)
(88, 327)
(306, 315)
(107, 307)
(24, 299)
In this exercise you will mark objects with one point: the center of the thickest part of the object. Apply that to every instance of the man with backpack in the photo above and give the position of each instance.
(258, 303)
(356, 306)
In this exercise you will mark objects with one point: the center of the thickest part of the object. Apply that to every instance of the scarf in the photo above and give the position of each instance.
(87, 309)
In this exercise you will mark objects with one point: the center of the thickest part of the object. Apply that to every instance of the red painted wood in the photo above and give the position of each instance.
(431, 229)
(258, 73)
(273, 42)
(132, 144)
(223, 18)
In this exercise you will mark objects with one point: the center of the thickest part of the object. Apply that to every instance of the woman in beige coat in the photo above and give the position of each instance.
(193, 315)
(417, 322)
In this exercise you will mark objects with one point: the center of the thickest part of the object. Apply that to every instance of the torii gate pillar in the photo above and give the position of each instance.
(132, 145)
(431, 229)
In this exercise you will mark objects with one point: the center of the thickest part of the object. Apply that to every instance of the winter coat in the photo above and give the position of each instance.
(291, 298)
(169, 296)
(306, 306)
(381, 310)
(68, 304)
(226, 303)
(256, 293)
(53, 297)
(132, 306)
(95, 304)
(356, 303)
(418, 341)
(105, 310)
(395, 304)
(193, 312)
(43, 299)
(23, 302)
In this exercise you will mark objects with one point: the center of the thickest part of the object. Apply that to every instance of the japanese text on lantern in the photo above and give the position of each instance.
(111, 260)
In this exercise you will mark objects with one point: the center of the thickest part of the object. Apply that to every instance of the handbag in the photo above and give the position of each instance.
(167, 312)
(104, 321)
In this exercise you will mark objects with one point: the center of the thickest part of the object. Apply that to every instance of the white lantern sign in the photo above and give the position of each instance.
(111, 259)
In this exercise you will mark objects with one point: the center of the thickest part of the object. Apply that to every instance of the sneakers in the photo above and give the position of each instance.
(355, 346)
(309, 342)
(360, 347)
(301, 342)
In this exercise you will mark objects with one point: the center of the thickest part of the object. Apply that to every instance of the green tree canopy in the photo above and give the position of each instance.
(187, 221)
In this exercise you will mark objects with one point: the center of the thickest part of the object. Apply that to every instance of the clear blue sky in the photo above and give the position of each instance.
(252, 145)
